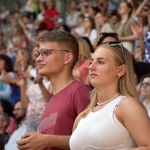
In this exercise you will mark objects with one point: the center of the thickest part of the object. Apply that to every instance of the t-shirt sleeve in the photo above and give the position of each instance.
(82, 98)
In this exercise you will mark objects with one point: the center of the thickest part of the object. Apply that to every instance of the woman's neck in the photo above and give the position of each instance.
(88, 31)
(124, 18)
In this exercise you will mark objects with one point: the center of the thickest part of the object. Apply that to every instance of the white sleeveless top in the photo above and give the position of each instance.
(101, 130)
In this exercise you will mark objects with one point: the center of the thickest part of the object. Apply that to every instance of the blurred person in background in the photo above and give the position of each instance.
(50, 15)
(40, 16)
(135, 5)
(31, 93)
(20, 116)
(79, 30)
(145, 91)
(114, 20)
(6, 68)
(23, 60)
(28, 28)
(4, 16)
(102, 5)
(31, 7)
(4, 123)
(83, 62)
(92, 10)
(17, 39)
(72, 15)
(6, 107)
(102, 23)
(126, 32)
(90, 30)
(63, 27)
(144, 40)
(84, 9)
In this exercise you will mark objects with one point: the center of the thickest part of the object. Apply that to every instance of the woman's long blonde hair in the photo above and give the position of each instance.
(126, 84)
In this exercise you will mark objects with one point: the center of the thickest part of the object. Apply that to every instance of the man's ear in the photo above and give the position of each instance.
(68, 58)
(121, 70)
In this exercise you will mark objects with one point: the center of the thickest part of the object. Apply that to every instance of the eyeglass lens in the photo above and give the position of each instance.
(145, 84)
(43, 52)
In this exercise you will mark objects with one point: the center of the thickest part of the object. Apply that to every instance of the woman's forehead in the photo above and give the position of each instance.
(102, 51)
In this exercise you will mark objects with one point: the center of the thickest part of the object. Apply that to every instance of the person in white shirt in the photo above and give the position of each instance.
(20, 115)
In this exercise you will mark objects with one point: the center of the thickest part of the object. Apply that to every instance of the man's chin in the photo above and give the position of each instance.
(41, 73)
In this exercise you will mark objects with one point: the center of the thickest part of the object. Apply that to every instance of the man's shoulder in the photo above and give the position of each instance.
(77, 85)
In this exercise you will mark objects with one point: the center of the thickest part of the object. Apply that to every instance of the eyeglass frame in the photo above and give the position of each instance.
(114, 34)
(116, 43)
(145, 84)
(38, 53)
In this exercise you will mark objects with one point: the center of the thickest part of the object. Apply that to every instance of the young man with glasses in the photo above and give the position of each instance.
(58, 53)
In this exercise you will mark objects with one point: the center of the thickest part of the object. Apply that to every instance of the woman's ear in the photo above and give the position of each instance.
(68, 58)
(121, 70)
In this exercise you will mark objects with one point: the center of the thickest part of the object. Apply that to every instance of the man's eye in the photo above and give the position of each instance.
(44, 53)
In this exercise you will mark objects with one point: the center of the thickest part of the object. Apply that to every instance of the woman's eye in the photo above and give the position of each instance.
(101, 62)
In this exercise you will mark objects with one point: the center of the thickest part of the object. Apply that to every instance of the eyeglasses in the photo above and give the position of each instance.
(145, 83)
(109, 34)
(45, 52)
(104, 35)
(17, 109)
(116, 43)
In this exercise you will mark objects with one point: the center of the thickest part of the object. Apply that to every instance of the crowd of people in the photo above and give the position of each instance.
(75, 82)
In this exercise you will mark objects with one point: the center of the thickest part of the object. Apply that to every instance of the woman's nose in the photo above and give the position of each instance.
(92, 66)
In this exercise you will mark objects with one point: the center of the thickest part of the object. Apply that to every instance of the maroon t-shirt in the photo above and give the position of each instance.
(63, 108)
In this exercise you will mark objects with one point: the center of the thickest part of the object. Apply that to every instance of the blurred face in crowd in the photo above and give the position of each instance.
(19, 112)
(102, 4)
(145, 87)
(73, 5)
(2, 64)
(49, 4)
(19, 56)
(123, 9)
(3, 121)
(87, 23)
(100, 19)
(113, 20)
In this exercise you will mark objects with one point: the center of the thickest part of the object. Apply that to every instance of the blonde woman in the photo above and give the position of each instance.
(23, 60)
(115, 118)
